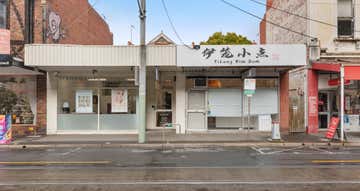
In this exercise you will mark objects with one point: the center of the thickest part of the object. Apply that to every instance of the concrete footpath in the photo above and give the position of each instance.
(160, 139)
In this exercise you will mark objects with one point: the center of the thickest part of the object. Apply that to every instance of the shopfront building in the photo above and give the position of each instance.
(93, 89)
(213, 94)
(328, 91)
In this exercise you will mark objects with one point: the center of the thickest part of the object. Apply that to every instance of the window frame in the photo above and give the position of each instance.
(4, 15)
(351, 19)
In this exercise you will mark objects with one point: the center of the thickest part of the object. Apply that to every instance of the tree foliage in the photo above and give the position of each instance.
(218, 38)
(8, 100)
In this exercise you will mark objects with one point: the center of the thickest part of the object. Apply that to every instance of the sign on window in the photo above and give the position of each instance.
(84, 102)
(119, 101)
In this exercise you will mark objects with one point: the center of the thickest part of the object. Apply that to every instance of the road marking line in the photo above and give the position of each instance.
(183, 183)
(71, 151)
(284, 150)
(321, 150)
(335, 161)
(257, 150)
(53, 162)
(312, 166)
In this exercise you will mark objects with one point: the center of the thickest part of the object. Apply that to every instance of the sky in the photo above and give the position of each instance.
(194, 20)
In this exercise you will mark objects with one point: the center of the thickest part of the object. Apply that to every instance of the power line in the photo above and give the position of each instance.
(172, 25)
(297, 15)
(294, 14)
(141, 9)
(267, 21)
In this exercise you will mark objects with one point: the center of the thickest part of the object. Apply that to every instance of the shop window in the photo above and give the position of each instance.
(3, 7)
(93, 105)
(18, 98)
(345, 18)
(352, 98)
(118, 101)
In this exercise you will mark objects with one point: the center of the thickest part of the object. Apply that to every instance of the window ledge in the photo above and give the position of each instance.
(346, 39)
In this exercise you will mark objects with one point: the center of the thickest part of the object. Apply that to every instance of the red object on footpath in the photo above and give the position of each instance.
(334, 122)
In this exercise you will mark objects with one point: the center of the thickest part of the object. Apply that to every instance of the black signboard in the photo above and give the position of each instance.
(163, 118)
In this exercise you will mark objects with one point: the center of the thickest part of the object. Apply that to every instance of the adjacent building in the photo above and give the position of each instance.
(328, 86)
(42, 22)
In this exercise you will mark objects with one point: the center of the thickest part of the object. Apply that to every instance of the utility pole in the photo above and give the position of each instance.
(142, 74)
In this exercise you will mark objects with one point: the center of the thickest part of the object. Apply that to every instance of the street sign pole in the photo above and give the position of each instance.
(249, 104)
(342, 106)
(142, 74)
(249, 90)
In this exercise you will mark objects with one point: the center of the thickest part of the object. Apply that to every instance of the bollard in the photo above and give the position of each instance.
(275, 131)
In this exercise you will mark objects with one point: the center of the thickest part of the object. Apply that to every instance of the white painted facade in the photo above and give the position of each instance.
(76, 65)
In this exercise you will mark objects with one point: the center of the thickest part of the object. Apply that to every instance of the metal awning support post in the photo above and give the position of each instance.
(342, 102)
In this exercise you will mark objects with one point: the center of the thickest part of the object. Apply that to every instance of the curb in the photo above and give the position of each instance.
(179, 145)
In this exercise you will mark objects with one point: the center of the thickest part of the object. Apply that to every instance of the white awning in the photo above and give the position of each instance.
(60, 55)
(17, 71)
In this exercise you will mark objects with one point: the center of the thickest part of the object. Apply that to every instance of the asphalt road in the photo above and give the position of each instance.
(200, 169)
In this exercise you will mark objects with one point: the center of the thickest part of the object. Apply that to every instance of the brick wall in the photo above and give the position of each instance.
(277, 35)
(263, 30)
(80, 24)
(17, 27)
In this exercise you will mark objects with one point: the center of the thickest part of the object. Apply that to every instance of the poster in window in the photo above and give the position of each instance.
(84, 101)
(119, 101)
(5, 129)
(18, 97)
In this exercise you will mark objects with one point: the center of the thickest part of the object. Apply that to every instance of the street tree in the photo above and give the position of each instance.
(218, 38)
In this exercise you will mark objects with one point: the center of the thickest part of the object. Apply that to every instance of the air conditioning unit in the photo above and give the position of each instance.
(200, 83)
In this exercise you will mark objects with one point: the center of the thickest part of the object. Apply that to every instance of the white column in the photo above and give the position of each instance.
(342, 102)
(181, 101)
(51, 104)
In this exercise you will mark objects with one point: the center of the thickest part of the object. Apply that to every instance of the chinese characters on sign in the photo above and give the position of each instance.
(227, 52)
(242, 55)
(208, 52)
